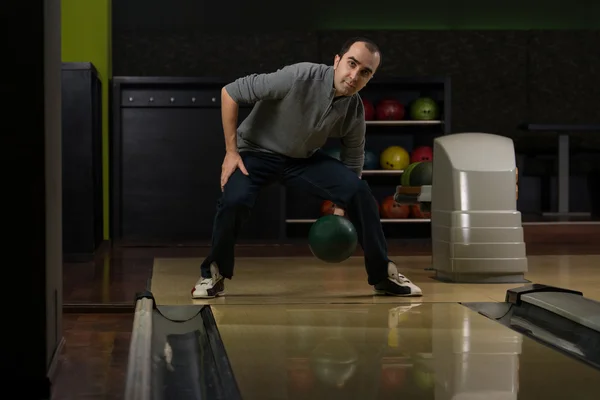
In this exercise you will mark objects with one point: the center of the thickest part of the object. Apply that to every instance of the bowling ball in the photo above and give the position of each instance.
(394, 158)
(299, 374)
(332, 238)
(390, 209)
(369, 110)
(393, 376)
(424, 109)
(423, 378)
(327, 207)
(421, 174)
(417, 211)
(335, 153)
(371, 160)
(422, 153)
(405, 179)
(390, 110)
(334, 362)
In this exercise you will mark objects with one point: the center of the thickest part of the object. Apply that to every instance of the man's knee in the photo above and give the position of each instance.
(354, 187)
(237, 199)
(238, 192)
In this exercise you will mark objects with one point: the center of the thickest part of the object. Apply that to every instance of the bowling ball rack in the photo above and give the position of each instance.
(413, 195)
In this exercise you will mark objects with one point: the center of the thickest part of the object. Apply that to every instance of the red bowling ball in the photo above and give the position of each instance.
(369, 110)
(422, 153)
(390, 110)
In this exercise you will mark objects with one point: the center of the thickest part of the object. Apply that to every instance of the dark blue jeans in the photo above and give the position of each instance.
(320, 175)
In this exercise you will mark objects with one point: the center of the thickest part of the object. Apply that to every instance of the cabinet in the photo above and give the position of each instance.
(167, 149)
(302, 210)
(82, 212)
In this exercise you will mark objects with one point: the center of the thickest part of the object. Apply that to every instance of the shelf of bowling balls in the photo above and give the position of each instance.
(382, 172)
(405, 122)
(383, 220)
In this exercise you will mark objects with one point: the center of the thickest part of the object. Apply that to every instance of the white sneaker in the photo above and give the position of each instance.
(397, 284)
(209, 288)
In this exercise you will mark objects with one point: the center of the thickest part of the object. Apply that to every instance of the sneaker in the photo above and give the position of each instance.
(397, 284)
(209, 288)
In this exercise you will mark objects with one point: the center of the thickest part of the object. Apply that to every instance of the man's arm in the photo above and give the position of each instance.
(269, 86)
(229, 117)
(353, 147)
(248, 90)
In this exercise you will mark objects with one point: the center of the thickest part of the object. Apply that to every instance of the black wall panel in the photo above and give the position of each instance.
(205, 54)
(169, 147)
(564, 83)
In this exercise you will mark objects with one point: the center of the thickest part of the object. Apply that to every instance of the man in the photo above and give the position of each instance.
(297, 108)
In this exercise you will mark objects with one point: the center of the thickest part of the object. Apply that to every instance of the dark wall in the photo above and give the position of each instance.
(273, 15)
(509, 63)
(31, 175)
(499, 78)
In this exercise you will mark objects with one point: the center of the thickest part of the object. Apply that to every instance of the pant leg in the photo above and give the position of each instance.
(329, 179)
(235, 205)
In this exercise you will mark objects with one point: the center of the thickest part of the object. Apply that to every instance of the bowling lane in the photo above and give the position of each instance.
(276, 280)
(383, 351)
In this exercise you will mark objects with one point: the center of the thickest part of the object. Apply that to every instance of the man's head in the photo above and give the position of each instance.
(355, 65)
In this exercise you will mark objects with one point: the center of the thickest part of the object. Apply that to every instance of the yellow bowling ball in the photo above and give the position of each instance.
(394, 157)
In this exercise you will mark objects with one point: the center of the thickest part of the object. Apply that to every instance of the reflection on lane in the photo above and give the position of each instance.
(419, 351)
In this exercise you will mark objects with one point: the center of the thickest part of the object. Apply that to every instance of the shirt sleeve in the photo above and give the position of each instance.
(268, 86)
(353, 147)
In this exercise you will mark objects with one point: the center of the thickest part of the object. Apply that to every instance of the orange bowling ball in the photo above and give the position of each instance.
(327, 207)
(418, 213)
(391, 209)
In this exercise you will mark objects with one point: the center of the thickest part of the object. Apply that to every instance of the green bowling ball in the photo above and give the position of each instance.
(421, 174)
(424, 109)
(405, 179)
(332, 238)
(334, 362)
(424, 379)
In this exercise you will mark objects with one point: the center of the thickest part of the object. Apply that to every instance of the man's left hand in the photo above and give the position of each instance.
(339, 211)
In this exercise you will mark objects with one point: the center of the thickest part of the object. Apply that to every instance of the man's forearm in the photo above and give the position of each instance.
(353, 148)
(229, 117)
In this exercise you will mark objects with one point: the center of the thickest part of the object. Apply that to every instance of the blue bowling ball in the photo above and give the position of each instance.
(371, 160)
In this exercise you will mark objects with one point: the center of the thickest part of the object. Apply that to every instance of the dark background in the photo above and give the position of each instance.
(507, 66)
(501, 76)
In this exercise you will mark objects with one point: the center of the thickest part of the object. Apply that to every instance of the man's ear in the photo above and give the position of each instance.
(336, 61)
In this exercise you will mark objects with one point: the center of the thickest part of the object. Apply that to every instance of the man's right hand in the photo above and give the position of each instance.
(232, 161)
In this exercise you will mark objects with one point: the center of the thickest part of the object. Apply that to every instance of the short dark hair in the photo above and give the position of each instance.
(370, 45)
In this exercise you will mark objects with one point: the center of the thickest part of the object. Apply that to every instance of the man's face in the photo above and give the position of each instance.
(354, 69)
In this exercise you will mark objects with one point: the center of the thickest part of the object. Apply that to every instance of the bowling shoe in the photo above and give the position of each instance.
(397, 284)
(208, 288)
